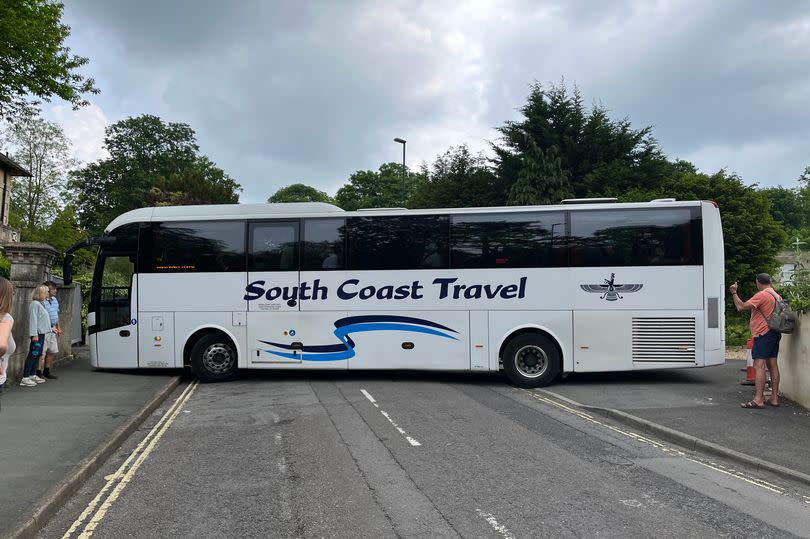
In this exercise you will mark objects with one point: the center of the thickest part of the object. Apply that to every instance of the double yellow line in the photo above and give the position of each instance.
(118, 481)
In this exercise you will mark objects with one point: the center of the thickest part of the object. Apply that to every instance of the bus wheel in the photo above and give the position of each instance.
(531, 360)
(213, 358)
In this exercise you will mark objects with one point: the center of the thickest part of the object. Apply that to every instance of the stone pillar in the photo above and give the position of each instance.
(31, 266)
(30, 262)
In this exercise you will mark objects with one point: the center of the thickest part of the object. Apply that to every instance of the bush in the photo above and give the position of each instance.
(737, 332)
(5, 267)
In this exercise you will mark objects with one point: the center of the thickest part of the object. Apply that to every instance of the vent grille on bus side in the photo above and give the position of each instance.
(664, 340)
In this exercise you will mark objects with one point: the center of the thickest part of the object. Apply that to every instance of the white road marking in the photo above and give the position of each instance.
(500, 528)
(411, 440)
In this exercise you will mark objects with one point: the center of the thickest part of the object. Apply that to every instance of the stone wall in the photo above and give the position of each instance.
(30, 264)
(19, 310)
(794, 363)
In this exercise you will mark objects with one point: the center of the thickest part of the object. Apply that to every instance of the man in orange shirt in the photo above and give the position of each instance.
(766, 340)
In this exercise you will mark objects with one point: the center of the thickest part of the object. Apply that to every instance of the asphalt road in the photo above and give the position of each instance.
(411, 455)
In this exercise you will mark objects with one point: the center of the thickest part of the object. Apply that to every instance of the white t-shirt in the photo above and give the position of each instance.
(12, 346)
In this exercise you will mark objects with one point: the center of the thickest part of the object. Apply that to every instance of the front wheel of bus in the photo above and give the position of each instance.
(213, 359)
(531, 360)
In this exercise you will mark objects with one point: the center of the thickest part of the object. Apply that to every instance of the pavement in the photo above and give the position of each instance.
(701, 408)
(54, 436)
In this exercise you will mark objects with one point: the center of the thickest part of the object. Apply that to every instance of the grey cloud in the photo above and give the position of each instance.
(283, 92)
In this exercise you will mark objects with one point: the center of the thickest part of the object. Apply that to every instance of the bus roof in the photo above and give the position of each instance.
(295, 210)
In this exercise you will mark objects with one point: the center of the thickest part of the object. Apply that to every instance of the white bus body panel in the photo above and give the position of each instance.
(480, 353)
(715, 288)
(161, 292)
(156, 348)
(277, 288)
(637, 340)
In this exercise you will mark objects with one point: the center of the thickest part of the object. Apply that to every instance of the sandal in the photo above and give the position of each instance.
(752, 405)
(769, 403)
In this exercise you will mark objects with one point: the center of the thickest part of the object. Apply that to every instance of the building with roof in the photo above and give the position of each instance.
(8, 169)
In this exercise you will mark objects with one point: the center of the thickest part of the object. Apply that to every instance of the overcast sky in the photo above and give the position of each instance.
(288, 92)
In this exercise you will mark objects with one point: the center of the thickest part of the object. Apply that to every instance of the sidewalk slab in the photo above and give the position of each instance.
(703, 403)
(47, 430)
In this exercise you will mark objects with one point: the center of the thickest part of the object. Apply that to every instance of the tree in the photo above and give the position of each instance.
(370, 189)
(456, 179)
(35, 64)
(201, 182)
(151, 162)
(298, 192)
(541, 179)
(600, 156)
(787, 207)
(804, 178)
(42, 147)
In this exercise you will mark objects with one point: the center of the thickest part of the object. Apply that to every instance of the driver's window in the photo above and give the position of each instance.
(116, 287)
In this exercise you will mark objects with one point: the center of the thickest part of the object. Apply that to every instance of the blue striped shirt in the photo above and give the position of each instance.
(52, 306)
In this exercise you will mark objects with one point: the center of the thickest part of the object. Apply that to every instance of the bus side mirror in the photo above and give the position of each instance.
(67, 269)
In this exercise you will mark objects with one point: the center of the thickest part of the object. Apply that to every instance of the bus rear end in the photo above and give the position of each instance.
(713, 285)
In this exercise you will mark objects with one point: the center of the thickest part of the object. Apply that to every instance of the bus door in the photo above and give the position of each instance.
(112, 322)
(280, 334)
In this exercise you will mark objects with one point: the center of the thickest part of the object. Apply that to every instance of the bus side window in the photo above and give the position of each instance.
(324, 244)
(273, 246)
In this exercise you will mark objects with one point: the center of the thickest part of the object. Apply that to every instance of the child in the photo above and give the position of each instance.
(39, 323)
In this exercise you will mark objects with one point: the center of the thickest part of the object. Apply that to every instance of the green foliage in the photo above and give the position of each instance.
(5, 266)
(370, 189)
(35, 64)
(456, 179)
(787, 207)
(737, 329)
(42, 148)
(600, 156)
(541, 179)
(298, 192)
(797, 291)
(151, 162)
(201, 182)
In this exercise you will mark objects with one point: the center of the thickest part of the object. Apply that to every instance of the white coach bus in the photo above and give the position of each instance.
(535, 291)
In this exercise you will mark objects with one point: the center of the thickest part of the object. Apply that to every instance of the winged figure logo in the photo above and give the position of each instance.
(610, 291)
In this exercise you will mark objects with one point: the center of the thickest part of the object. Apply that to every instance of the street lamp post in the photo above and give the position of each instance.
(402, 141)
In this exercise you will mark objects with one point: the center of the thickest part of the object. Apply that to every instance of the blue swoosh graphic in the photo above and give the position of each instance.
(359, 324)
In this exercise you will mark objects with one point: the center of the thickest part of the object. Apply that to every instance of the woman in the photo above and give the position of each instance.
(7, 344)
(39, 323)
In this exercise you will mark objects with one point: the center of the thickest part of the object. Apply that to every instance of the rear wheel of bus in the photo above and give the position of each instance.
(213, 358)
(531, 360)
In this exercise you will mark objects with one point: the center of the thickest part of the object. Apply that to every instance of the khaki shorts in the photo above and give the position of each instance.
(51, 346)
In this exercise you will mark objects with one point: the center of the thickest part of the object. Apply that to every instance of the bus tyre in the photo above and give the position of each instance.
(213, 358)
(531, 360)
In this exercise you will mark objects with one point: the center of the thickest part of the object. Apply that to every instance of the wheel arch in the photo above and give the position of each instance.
(531, 328)
(197, 333)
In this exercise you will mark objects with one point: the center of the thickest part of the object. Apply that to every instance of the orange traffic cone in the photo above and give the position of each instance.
(750, 375)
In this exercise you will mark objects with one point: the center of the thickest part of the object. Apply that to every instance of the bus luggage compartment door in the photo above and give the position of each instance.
(425, 340)
(294, 340)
